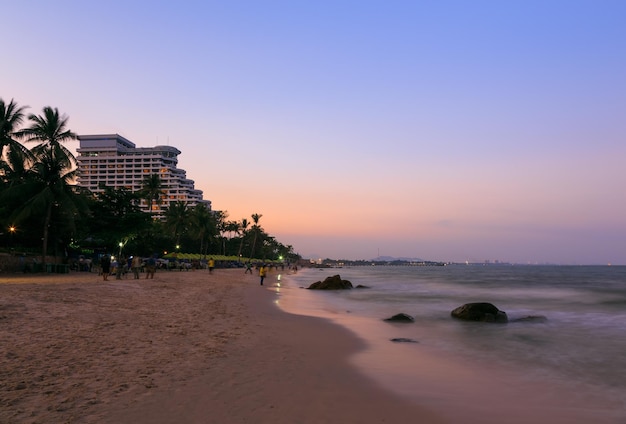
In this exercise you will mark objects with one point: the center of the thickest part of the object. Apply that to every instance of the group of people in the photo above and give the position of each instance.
(264, 269)
(121, 265)
(135, 264)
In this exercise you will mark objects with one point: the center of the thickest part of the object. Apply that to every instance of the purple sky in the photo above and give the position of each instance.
(445, 130)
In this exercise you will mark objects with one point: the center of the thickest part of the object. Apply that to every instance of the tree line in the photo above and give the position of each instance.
(43, 210)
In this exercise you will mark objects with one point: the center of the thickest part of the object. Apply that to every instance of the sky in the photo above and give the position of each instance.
(442, 130)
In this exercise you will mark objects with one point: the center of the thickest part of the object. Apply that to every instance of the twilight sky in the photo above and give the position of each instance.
(444, 130)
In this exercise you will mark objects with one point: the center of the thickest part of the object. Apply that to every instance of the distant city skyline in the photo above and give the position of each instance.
(452, 131)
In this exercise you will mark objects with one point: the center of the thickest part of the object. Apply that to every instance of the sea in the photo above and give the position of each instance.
(568, 365)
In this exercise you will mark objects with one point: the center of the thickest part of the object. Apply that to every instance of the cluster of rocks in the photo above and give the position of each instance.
(477, 311)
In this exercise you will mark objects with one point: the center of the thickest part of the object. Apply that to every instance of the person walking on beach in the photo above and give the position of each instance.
(105, 264)
(211, 265)
(248, 268)
(150, 267)
(119, 271)
(136, 266)
(262, 273)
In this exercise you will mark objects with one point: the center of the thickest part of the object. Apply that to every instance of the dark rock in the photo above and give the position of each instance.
(531, 318)
(480, 311)
(403, 340)
(400, 318)
(361, 286)
(331, 283)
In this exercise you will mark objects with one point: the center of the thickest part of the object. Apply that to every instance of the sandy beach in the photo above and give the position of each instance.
(184, 347)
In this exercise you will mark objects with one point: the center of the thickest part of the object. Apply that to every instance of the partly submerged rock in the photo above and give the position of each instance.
(361, 286)
(403, 340)
(402, 317)
(331, 283)
(480, 311)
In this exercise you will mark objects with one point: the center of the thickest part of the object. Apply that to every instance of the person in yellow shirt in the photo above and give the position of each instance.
(262, 273)
(211, 265)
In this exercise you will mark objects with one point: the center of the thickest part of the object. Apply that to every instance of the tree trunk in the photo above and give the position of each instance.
(253, 245)
(240, 249)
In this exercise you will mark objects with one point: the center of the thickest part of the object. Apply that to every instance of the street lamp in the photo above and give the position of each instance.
(12, 230)
(120, 244)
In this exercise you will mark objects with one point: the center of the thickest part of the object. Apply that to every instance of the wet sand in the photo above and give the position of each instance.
(185, 347)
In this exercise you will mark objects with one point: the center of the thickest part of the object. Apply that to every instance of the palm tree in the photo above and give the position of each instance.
(177, 217)
(11, 116)
(14, 166)
(255, 218)
(47, 188)
(219, 221)
(50, 130)
(229, 228)
(201, 224)
(14, 157)
(49, 180)
(152, 190)
(243, 227)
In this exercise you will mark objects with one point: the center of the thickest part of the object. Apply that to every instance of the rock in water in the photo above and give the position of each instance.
(400, 318)
(480, 311)
(331, 283)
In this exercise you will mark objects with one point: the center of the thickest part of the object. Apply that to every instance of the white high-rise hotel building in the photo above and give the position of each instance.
(113, 161)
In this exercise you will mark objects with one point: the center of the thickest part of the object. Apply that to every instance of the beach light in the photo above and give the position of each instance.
(12, 231)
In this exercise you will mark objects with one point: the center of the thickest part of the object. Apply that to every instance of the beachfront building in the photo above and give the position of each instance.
(113, 161)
